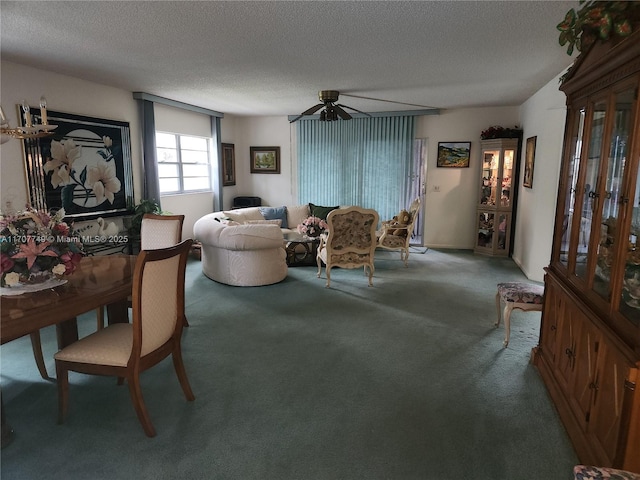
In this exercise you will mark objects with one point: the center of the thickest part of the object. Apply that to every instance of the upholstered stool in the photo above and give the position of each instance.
(585, 472)
(523, 296)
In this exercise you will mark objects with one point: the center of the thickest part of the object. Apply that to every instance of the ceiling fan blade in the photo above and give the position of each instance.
(309, 111)
(388, 101)
(351, 108)
(313, 109)
(344, 115)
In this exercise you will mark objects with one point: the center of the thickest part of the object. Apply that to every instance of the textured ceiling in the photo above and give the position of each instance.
(271, 58)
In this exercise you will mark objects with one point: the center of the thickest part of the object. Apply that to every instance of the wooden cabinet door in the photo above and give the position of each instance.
(551, 313)
(608, 404)
(568, 332)
(587, 343)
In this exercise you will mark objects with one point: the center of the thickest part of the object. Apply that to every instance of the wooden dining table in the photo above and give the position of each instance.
(98, 281)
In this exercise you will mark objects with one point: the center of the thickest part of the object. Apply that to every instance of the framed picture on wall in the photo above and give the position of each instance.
(265, 159)
(84, 167)
(454, 154)
(228, 164)
(529, 158)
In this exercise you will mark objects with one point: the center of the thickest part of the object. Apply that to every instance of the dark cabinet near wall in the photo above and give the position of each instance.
(589, 349)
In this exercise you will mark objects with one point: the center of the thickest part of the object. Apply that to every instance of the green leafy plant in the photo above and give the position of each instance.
(597, 19)
(145, 206)
(497, 131)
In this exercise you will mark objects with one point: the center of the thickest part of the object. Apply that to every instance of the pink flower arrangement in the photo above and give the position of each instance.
(34, 245)
(312, 226)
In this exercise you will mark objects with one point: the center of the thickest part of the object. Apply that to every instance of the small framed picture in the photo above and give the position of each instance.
(530, 156)
(265, 159)
(454, 154)
(228, 164)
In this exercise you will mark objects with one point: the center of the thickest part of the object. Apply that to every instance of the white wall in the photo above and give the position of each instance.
(450, 213)
(229, 133)
(542, 116)
(273, 189)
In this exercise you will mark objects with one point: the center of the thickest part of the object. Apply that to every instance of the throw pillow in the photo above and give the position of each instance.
(296, 214)
(243, 214)
(320, 211)
(275, 213)
(275, 221)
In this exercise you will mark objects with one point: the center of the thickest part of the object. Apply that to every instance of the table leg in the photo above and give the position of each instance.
(36, 346)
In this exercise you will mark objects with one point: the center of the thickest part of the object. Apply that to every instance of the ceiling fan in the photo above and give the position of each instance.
(333, 110)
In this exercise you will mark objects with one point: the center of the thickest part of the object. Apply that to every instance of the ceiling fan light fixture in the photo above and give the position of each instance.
(330, 110)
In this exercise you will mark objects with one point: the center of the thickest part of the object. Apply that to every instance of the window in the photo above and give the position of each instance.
(365, 161)
(183, 163)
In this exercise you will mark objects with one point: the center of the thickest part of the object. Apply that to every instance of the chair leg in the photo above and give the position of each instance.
(185, 322)
(498, 307)
(138, 403)
(328, 271)
(404, 256)
(178, 365)
(36, 346)
(371, 270)
(507, 323)
(62, 375)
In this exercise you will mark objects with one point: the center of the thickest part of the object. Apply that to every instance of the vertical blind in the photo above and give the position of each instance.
(363, 161)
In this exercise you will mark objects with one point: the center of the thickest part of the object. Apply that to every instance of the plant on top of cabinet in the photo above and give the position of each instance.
(597, 19)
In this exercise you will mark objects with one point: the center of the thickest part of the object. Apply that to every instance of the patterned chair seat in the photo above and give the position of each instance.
(586, 472)
(523, 296)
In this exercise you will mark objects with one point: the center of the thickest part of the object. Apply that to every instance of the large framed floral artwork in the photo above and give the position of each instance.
(84, 167)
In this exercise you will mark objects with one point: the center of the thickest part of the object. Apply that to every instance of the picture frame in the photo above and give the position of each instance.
(228, 164)
(265, 159)
(84, 167)
(529, 159)
(454, 154)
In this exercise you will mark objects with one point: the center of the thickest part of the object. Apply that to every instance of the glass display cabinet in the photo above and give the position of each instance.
(589, 349)
(495, 202)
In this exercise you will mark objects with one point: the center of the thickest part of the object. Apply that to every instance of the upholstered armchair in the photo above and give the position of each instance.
(398, 237)
(351, 241)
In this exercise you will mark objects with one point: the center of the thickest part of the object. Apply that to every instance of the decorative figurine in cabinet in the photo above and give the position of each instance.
(496, 200)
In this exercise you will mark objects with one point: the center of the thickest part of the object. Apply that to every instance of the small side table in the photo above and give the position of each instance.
(301, 250)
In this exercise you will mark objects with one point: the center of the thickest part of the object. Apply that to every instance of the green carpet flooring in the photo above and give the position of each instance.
(403, 380)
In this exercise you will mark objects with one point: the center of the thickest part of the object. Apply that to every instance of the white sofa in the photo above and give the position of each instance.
(295, 214)
(240, 248)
